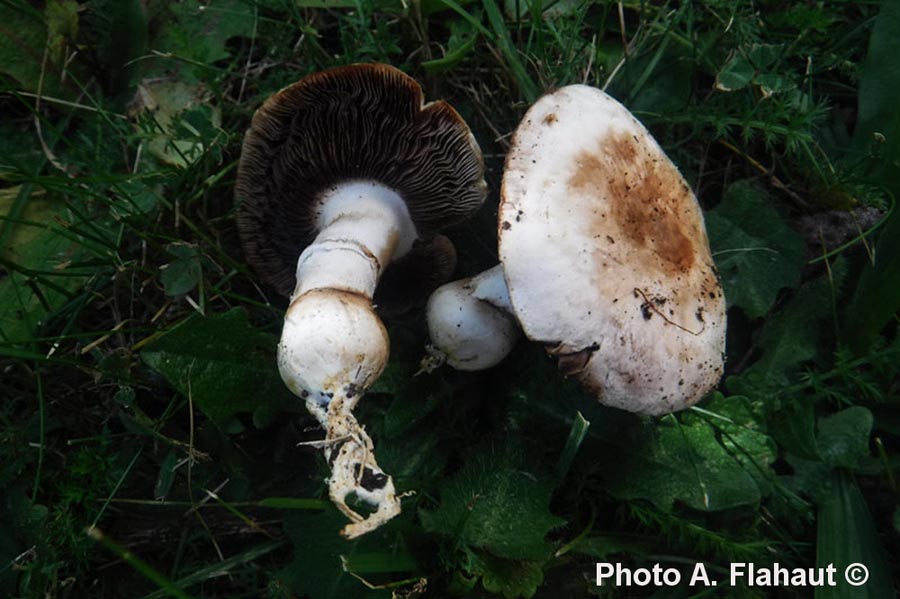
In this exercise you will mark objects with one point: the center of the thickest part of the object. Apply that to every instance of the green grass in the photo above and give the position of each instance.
(126, 309)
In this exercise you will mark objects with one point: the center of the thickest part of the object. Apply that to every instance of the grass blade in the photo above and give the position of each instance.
(137, 563)
(576, 435)
(527, 87)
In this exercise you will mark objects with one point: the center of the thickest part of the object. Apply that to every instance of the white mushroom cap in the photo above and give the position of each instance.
(606, 256)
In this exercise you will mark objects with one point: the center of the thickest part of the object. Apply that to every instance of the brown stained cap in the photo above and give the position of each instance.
(359, 122)
(606, 257)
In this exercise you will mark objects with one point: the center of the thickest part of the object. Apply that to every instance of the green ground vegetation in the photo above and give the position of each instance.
(148, 448)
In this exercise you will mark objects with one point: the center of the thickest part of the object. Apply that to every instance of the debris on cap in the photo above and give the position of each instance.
(606, 257)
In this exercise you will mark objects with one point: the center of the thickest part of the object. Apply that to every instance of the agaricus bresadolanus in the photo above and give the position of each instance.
(604, 259)
(350, 167)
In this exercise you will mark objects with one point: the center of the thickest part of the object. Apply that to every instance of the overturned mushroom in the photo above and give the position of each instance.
(605, 260)
(341, 174)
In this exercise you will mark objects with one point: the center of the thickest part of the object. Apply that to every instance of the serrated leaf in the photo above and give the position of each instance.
(673, 461)
(497, 503)
(222, 362)
(756, 253)
(510, 578)
(320, 552)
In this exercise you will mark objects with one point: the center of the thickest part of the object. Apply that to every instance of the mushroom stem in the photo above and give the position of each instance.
(363, 226)
(333, 345)
(470, 323)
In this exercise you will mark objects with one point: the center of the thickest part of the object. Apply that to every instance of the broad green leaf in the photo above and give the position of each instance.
(38, 257)
(811, 478)
(797, 333)
(185, 272)
(120, 28)
(736, 74)
(773, 84)
(199, 30)
(847, 535)
(740, 427)
(842, 441)
(25, 35)
(413, 459)
(414, 397)
(510, 578)
(317, 569)
(138, 199)
(794, 428)
(671, 461)
(657, 81)
(497, 503)
(764, 56)
(221, 362)
(876, 298)
(176, 118)
(878, 112)
(843, 438)
(757, 254)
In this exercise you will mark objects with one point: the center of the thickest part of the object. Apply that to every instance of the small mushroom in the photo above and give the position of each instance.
(605, 260)
(341, 174)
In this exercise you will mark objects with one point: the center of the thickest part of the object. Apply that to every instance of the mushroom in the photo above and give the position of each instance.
(341, 174)
(605, 260)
